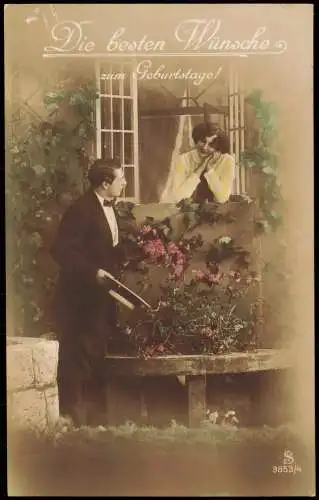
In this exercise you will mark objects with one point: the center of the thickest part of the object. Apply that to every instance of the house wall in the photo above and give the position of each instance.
(157, 139)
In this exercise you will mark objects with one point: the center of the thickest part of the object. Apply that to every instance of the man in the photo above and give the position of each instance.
(204, 173)
(87, 249)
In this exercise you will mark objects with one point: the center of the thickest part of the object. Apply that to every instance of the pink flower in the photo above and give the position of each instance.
(177, 272)
(198, 274)
(172, 248)
(207, 277)
(180, 262)
(180, 257)
(154, 249)
(214, 278)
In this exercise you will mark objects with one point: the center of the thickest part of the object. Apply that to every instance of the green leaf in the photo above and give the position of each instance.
(54, 97)
(255, 97)
(36, 240)
(262, 224)
(248, 163)
(190, 218)
(268, 170)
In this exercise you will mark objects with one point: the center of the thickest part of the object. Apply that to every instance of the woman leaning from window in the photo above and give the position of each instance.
(206, 172)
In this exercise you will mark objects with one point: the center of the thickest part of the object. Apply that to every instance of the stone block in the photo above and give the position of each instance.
(52, 405)
(32, 396)
(20, 369)
(45, 359)
(31, 362)
(27, 409)
(33, 408)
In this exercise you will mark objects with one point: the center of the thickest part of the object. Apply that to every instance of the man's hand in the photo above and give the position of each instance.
(102, 276)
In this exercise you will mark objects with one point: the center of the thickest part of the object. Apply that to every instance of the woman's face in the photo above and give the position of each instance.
(205, 147)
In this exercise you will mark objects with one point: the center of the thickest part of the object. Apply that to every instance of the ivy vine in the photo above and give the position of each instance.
(262, 157)
(40, 157)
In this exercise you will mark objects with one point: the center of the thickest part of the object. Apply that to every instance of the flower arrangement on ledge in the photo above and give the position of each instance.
(200, 311)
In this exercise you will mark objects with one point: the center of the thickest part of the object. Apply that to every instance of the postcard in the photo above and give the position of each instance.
(159, 238)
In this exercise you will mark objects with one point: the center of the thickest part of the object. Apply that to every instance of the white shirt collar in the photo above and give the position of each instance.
(111, 219)
(101, 199)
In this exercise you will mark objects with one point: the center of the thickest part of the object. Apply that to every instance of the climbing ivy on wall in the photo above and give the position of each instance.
(263, 158)
(46, 162)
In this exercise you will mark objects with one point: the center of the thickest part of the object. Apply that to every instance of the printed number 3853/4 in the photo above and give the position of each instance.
(286, 469)
(288, 464)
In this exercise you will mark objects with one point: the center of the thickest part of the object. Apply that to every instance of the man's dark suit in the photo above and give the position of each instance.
(85, 313)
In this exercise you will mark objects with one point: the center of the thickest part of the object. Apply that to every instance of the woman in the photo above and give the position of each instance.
(206, 172)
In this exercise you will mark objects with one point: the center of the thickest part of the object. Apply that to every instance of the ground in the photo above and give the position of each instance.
(211, 461)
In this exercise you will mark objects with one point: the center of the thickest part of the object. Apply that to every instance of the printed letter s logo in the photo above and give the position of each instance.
(288, 457)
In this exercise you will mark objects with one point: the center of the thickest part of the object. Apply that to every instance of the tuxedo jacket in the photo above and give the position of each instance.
(82, 246)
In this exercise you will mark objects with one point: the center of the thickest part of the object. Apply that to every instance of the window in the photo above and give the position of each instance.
(117, 120)
(236, 129)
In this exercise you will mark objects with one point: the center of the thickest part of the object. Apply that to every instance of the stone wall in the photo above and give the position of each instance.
(32, 396)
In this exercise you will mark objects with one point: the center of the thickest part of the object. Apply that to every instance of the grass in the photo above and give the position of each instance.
(131, 460)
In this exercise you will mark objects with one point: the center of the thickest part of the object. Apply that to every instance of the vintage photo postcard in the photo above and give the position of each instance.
(159, 242)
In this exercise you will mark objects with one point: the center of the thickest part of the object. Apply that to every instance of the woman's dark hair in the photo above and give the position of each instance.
(207, 129)
(221, 142)
(102, 170)
(203, 130)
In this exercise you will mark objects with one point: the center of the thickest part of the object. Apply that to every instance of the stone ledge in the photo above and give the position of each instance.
(241, 362)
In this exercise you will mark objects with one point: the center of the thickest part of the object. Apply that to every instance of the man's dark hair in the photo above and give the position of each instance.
(207, 129)
(102, 170)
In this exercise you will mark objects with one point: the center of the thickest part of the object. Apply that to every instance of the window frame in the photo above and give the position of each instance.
(126, 65)
(236, 129)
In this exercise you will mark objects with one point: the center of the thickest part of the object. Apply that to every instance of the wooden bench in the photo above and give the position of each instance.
(193, 368)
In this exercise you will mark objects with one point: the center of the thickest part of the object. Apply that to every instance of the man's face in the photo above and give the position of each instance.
(204, 146)
(115, 189)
